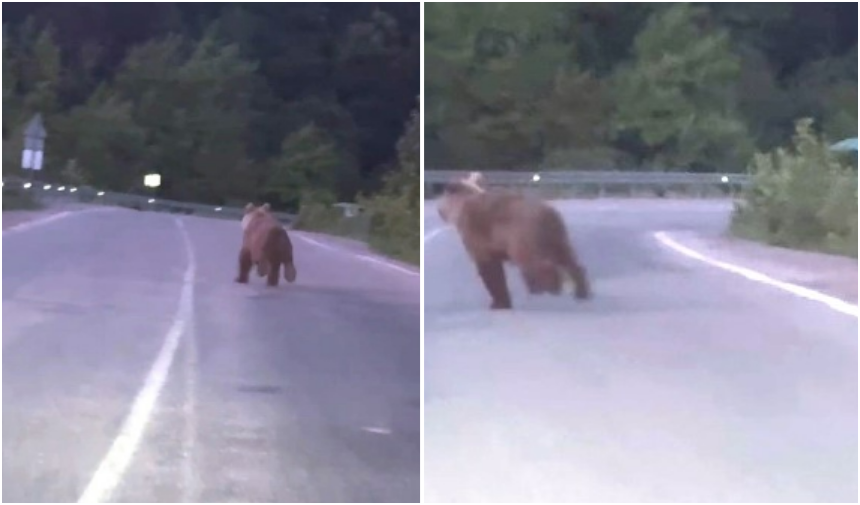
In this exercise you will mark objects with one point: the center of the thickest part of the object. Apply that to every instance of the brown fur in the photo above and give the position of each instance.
(266, 244)
(500, 226)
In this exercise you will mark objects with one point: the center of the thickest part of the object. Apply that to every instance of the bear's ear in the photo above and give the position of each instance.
(249, 207)
(475, 178)
(266, 207)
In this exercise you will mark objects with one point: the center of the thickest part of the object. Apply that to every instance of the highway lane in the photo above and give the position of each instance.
(678, 382)
(309, 392)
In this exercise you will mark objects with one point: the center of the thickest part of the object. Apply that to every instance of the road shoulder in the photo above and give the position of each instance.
(15, 218)
(356, 248)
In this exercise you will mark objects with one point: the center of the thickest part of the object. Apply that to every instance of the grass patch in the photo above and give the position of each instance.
(385, 232)
(749, 229)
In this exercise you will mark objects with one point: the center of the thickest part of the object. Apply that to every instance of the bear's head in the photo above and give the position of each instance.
(456, 193)
(252, 211)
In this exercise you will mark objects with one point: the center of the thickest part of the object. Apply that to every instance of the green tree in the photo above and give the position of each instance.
(191, 102)
(678, 95)
(306, 170)
(10, 83)
(41, 75)
(103, 141)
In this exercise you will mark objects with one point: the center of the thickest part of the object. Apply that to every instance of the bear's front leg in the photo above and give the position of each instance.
(492, 272)
(244, 266)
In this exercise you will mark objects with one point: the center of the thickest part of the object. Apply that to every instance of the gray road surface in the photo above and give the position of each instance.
(679, 382)
(309, 392)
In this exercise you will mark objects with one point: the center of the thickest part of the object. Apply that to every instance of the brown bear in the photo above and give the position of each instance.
(266, 244)
(499, 226)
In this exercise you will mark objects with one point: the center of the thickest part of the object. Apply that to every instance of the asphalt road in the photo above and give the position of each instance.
(678, 382)
(309, 392)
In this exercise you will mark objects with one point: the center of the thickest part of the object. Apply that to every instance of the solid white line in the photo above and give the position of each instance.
(809, 294)
(110, 472)
(26, 225)
(362, 257)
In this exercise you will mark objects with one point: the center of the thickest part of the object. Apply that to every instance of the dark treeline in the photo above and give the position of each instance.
(229, 101)
(636, 86)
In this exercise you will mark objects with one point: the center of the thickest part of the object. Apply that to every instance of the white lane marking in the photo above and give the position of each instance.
(809, 294)
(362, 257)
(434, 233)
(110, 472)
(26, 225)
(376, 430)
(190, 478)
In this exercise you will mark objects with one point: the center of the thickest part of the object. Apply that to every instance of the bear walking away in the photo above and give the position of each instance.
(499, 226)
(266, 245)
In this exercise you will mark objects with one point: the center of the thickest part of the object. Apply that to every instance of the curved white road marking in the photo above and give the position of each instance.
(434, 233)
(362, 257)
(800, 291)
(110, 472)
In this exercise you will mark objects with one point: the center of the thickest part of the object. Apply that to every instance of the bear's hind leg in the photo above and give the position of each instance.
(289, 272)
(492, 272)
(532, 282)
(274, 274)
(244, 266)
(287, 260)
(543, 277)
(570, 265)
(263, 268)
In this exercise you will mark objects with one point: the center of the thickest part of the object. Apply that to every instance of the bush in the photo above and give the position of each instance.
(391, 219)
(804, 197)
(322, 217)
(394, 226)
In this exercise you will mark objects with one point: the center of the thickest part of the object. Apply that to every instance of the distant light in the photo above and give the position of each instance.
(46, 187)
(217, 209)
(72, 190)
(152, 180)
(725, 179)
(152, 200)
(2, 184)
(61, 188)
(27, 185)
(536, 177)
(100, 193)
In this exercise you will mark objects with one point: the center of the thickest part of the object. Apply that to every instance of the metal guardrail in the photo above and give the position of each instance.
(47, 191)
(571, 177)
(599, 182)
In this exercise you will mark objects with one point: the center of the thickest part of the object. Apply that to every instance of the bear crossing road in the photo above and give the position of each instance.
(266, 244)
(499, 226)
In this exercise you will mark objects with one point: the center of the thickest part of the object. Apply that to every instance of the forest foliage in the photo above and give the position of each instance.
(230, 102)
(665, 86)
